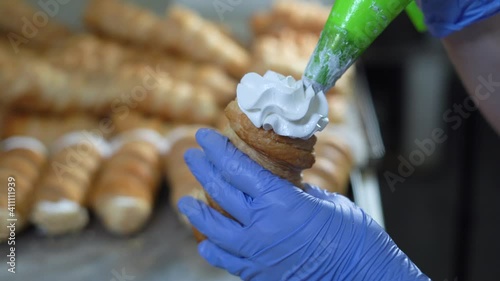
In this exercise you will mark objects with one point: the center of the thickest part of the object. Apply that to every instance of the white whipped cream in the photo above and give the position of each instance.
(142, 134)
(22, 142)
(80, 138)
(125, 202)
(61, 217)
(280, 103)
(61, 206)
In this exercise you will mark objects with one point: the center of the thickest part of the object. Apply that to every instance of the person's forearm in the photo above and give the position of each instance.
(475, 52)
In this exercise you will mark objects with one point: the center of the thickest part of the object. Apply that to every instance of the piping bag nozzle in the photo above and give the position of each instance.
(351, 28)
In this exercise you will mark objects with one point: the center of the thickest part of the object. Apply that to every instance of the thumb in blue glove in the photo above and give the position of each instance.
(281, 232)
(444, 17)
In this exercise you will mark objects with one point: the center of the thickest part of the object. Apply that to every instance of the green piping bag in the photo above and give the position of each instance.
(351, 28)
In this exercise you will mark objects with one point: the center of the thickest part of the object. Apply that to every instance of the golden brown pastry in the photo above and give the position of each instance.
(205, 75)
(3, 115)
(89, 53)
(14, 49)
(265, 23)
(288, 53)
(183, 31)
(283, 156)
(47, 128)
(27, 26)
(222, 123)
(179, 101)
(154, 92)
(122, 21)
(337, 108)
(35, 85)
(202, 40)
(181, 181)
(61, 195)
(297, 15)
(334, 162)
(125, 190)
(21, 159)
(136, 120)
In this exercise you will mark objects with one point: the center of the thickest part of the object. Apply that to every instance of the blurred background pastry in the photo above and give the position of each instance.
(21, 162)
(60, 205)
(180, 179)
(124, 193)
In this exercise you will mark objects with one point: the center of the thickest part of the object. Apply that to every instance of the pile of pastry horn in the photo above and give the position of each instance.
(181, 77)
(91, 122)
(117, 178)
(56, 186)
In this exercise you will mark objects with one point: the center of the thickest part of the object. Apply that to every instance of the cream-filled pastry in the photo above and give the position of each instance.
(61, 198)
(30, 156)
(273, 121)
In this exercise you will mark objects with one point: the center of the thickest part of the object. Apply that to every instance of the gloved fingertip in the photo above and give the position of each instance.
(203, 133)
(311, 188)
(192, 154)
(203, 248)
(188, 206)
(206, 250)
(317, 192)
(307, 187)
(207, 137)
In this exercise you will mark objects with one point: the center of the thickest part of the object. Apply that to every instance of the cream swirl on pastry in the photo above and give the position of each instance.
(280, 103)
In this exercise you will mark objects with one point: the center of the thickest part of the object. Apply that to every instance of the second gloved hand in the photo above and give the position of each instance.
(282, 232)
(444, 17)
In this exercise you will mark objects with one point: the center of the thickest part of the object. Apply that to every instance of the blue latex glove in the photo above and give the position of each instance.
(444, 17)
(282, 232)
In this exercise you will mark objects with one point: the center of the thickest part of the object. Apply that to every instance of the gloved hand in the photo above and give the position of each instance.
(282, 232)
(444, 17)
